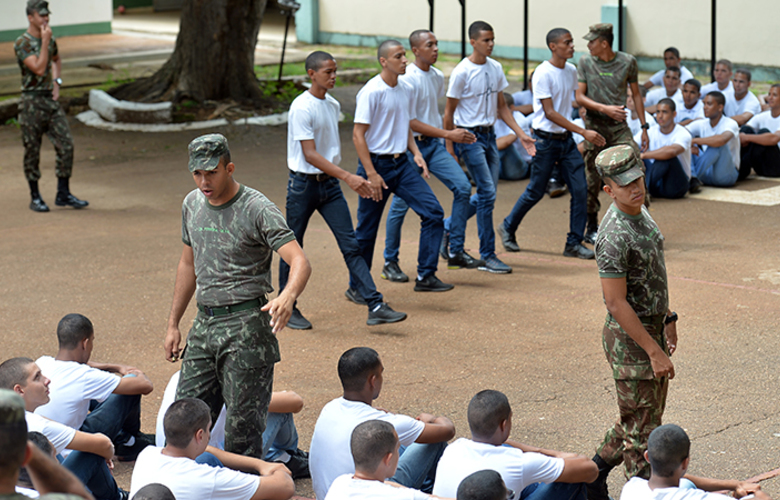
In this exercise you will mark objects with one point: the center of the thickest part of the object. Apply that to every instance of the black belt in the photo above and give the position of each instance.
(36, 92)
(483, 129)
(224, 310)
(393, 156)
(321, 177)
(423, 138)
(560, 136)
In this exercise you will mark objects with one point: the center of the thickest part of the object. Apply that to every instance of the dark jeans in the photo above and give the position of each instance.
(554, 491)
(550, 152)
(304, 197)
(94, 473)
(513, 167)
(666, 178)
(765, 160)
(118, 417)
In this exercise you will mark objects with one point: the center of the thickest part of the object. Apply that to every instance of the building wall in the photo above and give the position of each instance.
(68, 17)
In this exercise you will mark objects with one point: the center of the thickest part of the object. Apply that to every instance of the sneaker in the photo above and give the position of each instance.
(65, 200)
(444, 248)
(578, 251)
(383, 314)
(38, 205)
(508, 240)
(298, 464)
(392, 272)
(297, 321)
(462, 260)
(555, 188)
(355, 297)
(494, 265)
(431, 284)
(125, 453)
(123, 495)
(695, 186)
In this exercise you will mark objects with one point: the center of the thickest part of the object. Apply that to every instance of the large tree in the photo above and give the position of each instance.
(213, 59)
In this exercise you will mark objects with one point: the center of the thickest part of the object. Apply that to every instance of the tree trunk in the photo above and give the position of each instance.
(213, 59)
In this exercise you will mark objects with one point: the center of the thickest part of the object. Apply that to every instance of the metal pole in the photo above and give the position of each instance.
(525, 44)
(713, 32)
(620, 25)
(430, 24)
(284, 45)
(462, 28)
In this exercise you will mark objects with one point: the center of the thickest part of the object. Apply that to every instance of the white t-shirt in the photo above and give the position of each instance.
(710, 87)
(636, 126)
(60, 435)
(387, 110)
(313, 118)
(767, 121)
(217, 439)
(330, 455)
(27, 492)
(477, 87)
(655, 95)
(749, 103)
(427, 87)
(704, 129)
(637, 489)
(517, 468)
(346, 487)
(577, 137)
(524, 122)
(658, 76)
(523, 97)
(73, 386)
(683, 113)
(189, 480)
(556, 84)
(679, 135)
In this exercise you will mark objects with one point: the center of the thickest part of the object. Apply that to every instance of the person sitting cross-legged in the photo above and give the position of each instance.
(760, 140)
(715, 145)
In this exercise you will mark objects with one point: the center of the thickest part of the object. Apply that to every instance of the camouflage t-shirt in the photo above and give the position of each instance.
(607, 81)
(233, 245)
(27, 45)
(632, 247)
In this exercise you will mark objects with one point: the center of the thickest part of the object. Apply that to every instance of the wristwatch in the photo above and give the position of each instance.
(671, 318)
(646, 126)
(58, 81)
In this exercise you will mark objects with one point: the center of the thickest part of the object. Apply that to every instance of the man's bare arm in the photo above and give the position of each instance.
(714, 141)
(437, 429)
(281, 307)
(664, 153)
(555, 117)
(276, 483)
(356, 183)
(183, 290)
(769, 139)
(743, 118)
(37, 64)
(449, 121)
(285, 402)
(361, 146)
(455, 135)
(741, 488)
(97, 443)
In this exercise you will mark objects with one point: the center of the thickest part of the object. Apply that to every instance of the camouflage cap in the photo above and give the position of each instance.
(206, 150)
(39, 6)
(597, 30)
(620, 164)
(11, 407)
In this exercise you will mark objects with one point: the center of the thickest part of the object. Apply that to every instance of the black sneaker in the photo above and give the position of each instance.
(297, 321)
(462, 259)
(494, 265)
(578, 251)
(431, 284)
(695, 186)
(508, 240)
(126, 453)
(298, 464)
(392, 272)
(555, 188)
(123, 495)
(66, 200)
(383, 314)
(444, 248)
(355, 297)
(38, 205)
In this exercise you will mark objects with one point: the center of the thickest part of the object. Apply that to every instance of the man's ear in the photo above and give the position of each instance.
(386, 460)
(647, 456)
(28, 451)
(19, 389)
(199, 435)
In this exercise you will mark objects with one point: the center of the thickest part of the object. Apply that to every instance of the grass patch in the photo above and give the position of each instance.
(268, 72)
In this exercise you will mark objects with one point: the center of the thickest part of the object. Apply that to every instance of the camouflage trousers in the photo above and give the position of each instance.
(230, 359)
(615, 133)
(641, 398)
(40, 114)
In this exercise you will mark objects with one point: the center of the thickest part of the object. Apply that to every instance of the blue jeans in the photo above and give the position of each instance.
(715, 167)
(572, 172)
(279, 436)
(482, 160)
(513, 167)
(209, 459)
(402, 179)
(417, 465)
(553, 491)
(446, 169)
(93, 472)
(666, 178)
(118, 417)
(304, 196)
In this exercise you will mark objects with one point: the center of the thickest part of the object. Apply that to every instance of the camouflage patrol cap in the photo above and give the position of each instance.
(620, 164)
(206, 150)
(597, 30)
(11, 407)
(39, 6)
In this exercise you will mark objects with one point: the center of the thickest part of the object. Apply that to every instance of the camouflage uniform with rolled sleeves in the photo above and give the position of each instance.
(230, 358)
(631, 247)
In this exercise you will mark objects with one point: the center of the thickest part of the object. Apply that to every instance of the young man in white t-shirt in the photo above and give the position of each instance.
(554, 82)
(745, 104)
(313, 154)
(722, 73)
(422, 439)
(671, 89)
(76, 382)
(382, 138)
(692, 108)
(760, 140)
(531, 473)
(88, 456)
(230, 477)
(715, 145)
(427, 85)
(474, 101)
(668, 157)
(634, 123)
(671, 58)
(668, 451)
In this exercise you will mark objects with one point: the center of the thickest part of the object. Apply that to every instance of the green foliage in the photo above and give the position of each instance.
(284, 92)
(14, 122)
(267, 72)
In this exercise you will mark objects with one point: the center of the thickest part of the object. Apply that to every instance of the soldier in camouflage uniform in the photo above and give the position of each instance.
(604, 77)
(640, 332)
(39, 112)
(229, 232)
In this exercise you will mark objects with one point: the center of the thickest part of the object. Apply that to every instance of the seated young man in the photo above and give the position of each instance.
(482, 485)
(515, 160)
(723, 69)
(532, 473)
(422, 439)
(280, 437)
(154, 491)
(94, 397)
(692, 108)
(668, 451)
(715, 145)
(670, 90)
(760, 140)
(668, 157)
(744, 105)
(634, 123)
(88, 456)
(671, 58)
(235, 477)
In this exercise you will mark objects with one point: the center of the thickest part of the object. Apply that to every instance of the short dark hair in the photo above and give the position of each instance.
(608, 37)
(154, 491)
(14, 371)
(718, 96)
(315, 60)
(183, 419)
(674, 51)
(673, 69)
(509, 99)
(356, 365)
(482, 485)
(667, 447)
(476, 27)
(371, 441)
(746, 72)
(775, 86)
(29, 10)
(72, 329)
(669, 102)
(555, 34)
(726, 63)
(416, 37)
(43, 443)
(693, 81)
(385, 47)
(487, 410)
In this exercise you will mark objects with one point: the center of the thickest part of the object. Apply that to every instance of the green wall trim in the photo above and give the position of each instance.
(68, 30)
(132, 4)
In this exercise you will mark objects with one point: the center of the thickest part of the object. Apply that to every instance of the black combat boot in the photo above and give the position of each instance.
(592, 228)
(64, 198)
(37, 204)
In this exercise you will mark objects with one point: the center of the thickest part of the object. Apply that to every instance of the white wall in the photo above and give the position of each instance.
(63, 13)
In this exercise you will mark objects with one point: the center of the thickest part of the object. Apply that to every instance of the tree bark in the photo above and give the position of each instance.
(213, 58)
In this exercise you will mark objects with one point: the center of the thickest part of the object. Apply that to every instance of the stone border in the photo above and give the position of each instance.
(93, 119)
(113, 110)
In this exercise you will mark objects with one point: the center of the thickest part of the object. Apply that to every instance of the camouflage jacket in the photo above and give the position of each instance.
(25, 46)
(607, 81)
